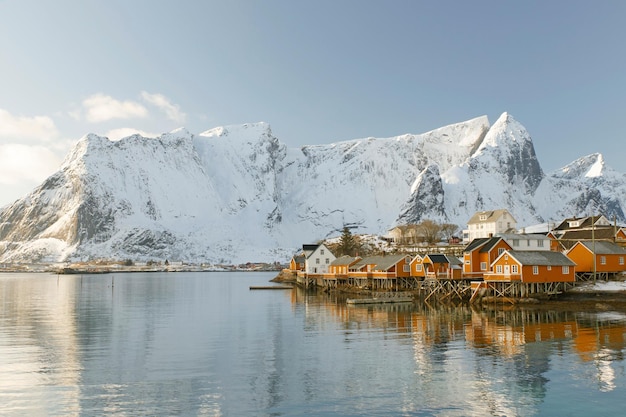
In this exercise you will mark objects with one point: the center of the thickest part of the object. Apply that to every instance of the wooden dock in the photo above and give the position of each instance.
(271, 287)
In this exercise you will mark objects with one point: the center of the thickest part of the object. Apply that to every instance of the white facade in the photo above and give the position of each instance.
(489, 223)
(318, 260)
(534, 242)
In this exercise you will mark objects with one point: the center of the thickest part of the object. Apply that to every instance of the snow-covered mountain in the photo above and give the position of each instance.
(237, 193)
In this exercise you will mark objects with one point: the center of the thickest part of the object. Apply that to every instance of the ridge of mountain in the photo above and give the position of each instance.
(236, 193)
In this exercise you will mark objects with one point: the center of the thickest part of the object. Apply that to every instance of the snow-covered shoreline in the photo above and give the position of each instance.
(600, 286)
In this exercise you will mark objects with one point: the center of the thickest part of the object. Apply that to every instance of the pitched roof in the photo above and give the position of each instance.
(588, 234)
(475, 244)
(440, 258)
(309, 249)
(387, 261)
(527, 236)
(489, 216)
(493, 241)
(299, 258)
(405, 227)
(345, 260)
(584, 222)
(603, 247)
(380, 262)
(540, 257)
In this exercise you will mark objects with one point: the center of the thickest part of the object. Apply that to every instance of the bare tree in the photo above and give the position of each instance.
(429, 231)
(449, 230)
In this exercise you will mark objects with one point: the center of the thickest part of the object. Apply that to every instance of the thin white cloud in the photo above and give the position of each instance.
(21, 164)
(33, 129)
(172, 111)
(117, 134)
(100, 108)
(75, 114)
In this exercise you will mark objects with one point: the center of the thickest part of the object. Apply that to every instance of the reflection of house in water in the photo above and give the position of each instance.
(594, 337)
(509, 331)
(600, 333)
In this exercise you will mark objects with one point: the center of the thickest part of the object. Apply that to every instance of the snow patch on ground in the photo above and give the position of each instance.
(607, 286)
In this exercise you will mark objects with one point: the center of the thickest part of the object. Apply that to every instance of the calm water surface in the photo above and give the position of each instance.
(204, 344)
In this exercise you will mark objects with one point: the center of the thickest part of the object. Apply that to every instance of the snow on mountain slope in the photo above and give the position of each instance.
(583, 187)
(236, 193)
(503, 171)
(364, 182)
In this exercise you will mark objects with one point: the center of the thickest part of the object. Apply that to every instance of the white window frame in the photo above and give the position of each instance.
(535, 269)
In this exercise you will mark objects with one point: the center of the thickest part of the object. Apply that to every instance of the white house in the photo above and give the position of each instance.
(489, 223)
(534, 242)
(318, 258)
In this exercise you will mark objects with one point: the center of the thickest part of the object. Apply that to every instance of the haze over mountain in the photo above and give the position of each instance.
(236, 193)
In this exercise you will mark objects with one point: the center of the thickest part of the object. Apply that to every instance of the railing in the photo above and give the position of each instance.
(492, 276)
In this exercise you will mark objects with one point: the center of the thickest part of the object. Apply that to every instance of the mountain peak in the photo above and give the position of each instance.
(506, 129)
(590, 166)
(247, 130)
(597, 168)
(180, 133)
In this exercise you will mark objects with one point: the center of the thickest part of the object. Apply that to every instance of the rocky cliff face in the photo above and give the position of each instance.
(237, 193)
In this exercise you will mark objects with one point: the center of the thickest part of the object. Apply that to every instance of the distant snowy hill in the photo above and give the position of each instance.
(236, 193)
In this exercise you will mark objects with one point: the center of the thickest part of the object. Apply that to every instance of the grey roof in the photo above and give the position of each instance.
(540, 257)
(603, 247)
(344, 260)
(529, 236)
(387, 261)
(381, 262)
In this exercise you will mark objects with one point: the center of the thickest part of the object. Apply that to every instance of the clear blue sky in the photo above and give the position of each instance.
(317, 71)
